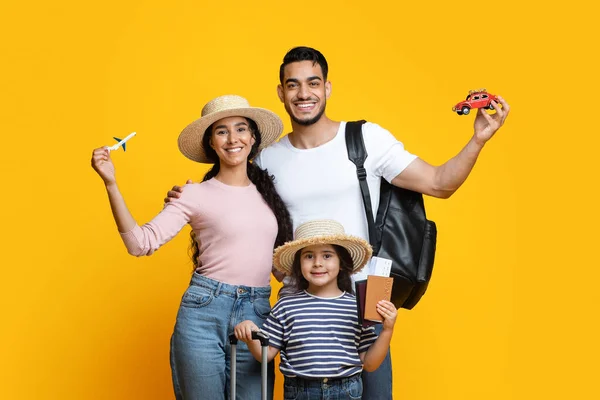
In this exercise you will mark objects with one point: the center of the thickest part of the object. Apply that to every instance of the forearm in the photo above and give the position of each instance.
(256, 351)
(377, 352)
(453, 173)
(123, 218)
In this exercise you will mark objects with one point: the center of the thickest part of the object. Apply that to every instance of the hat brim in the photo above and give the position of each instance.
(360, 250)
(190, 139)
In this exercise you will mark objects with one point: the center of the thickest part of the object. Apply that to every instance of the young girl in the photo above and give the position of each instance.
(237, 219)
(323, 347)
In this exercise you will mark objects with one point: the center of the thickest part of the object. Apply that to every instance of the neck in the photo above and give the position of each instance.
(233, 175)
(315, 135)
(325, 291)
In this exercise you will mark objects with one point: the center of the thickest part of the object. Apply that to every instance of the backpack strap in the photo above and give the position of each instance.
(357, 153)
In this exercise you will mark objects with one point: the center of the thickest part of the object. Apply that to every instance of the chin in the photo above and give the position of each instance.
(231, 163)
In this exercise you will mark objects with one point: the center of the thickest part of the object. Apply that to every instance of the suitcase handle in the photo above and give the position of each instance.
(261, 336)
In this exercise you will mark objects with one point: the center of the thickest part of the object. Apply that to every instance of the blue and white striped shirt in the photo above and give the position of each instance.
(318, 337)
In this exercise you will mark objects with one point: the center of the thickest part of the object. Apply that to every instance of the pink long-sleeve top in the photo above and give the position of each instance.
(234, 227)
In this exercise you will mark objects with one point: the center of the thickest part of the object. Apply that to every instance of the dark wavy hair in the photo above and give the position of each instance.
(260, 178)
(302, 53)
(344, 280)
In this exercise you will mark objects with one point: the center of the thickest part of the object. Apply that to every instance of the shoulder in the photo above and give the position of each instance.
(291, 300)
(349, 296)
(372, 130)
(272, 151)
(276, 147)
(380, 142)
(375, 136)
(190, 191)
(194, 194)
(190, 201)
(194, 189)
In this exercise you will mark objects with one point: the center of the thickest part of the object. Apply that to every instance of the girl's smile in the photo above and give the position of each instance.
(320, 266)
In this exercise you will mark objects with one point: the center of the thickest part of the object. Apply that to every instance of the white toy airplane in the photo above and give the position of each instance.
(121, 142)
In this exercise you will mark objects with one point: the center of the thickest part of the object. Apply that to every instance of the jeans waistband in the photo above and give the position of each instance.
(223, 289)
(317, 382)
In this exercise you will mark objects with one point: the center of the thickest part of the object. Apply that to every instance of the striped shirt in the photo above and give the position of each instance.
(318, 337)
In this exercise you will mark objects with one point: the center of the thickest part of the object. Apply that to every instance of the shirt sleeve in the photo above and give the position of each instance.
(387, 153)
(367, 338)
(275, 328)
(146, 239)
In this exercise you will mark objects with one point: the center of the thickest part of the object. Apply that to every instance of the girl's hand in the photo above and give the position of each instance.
(387, 310)
(243, 331)
(103, 165)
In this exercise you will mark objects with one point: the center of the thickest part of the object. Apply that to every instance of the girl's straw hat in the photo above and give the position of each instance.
(190, 139)
(322, 231)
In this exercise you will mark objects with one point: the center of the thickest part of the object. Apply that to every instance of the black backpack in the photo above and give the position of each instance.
(401, 233)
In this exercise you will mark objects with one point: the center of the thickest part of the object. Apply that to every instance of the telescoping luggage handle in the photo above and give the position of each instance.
(263, 337)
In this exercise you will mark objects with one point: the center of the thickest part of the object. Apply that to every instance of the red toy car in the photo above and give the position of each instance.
(476, 99)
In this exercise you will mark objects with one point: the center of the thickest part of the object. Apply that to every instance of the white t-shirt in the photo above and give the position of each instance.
(321, 183)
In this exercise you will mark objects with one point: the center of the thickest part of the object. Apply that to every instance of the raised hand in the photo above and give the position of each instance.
(389, 313)
(103, 165)
(486, 125)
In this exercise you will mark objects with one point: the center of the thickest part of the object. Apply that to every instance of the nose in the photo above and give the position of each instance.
(303, 92)
(232, 138)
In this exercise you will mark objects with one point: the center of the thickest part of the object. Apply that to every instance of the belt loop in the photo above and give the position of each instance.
(218, 289)
(252, 294)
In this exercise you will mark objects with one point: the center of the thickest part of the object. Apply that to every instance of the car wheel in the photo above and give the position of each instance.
(465, 110)
(490, 106)
(459, 112)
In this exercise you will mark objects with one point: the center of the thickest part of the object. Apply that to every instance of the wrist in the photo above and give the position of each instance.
(388, 329)
(477, 143)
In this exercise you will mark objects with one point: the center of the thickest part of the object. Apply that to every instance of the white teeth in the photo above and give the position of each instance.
(236, 150)
(305, 105)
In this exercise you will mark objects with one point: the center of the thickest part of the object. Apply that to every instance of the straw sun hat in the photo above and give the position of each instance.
(318, 232)
(190, 139)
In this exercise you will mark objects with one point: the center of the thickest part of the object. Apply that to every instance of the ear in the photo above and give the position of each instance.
(211, 143)
(252, 139)
(327, 89)
(280, 92)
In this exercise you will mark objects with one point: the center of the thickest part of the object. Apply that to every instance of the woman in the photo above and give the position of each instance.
(237, 219)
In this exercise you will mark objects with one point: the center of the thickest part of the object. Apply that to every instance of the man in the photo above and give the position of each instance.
(316, 180)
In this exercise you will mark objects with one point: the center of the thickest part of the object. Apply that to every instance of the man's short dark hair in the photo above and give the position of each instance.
(304, 54)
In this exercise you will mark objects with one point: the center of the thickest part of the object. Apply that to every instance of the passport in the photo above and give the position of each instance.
(360, 289)
(378, 288)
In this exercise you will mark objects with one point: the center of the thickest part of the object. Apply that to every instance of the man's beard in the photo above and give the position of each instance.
(308, 122)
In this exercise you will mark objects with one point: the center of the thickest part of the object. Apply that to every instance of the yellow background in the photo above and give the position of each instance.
(511, 312)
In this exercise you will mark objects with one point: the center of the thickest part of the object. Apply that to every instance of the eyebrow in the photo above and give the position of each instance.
(310, 78)
(312, 251)
(224, 126)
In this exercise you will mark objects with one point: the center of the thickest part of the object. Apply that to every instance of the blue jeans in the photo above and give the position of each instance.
(323, 389)
(378, 384)
(200, 349)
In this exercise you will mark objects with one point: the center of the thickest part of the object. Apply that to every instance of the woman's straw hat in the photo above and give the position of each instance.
(190, 139)
(317, 232)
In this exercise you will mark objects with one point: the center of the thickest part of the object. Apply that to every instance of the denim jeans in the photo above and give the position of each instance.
(378, 384)
(323, 389)
(200, 349)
